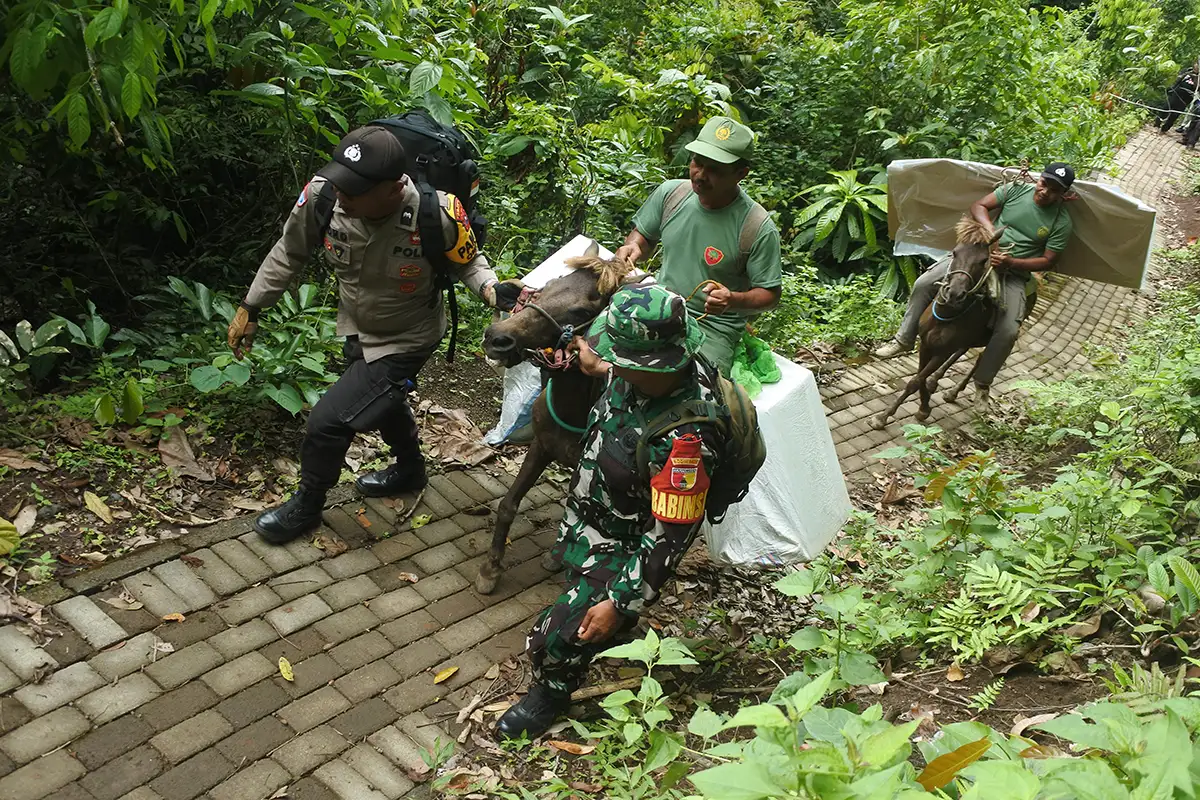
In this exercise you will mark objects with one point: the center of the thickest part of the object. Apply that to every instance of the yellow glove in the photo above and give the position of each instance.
(242, 330)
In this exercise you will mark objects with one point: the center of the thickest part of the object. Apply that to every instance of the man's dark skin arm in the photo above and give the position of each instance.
(981, 212)
(719, 299)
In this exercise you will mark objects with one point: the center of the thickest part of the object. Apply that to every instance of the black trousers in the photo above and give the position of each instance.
(1177, 101)
(368, 397)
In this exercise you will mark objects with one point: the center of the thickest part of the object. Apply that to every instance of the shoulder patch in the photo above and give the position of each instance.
(303, 198)
(463, 248)
(679, 491)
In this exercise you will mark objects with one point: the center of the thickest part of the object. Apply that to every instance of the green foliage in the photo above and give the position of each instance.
(845, 214)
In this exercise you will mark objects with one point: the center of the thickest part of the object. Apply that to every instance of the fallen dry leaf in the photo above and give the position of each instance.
(285, 669)
(408, 576)
(192, 561)
(362, 520)
(247, 504)
(17, 461)
(445, 674)
(1030, 612)
(123, 601)
(496, 708)
(176, 453)
(493, 672)
(94, 557)
(1081, 630)
(420, 521)
(1041, 751)
(97, 507)
(877, 688)
(164, 647)
(589, 788)
(281, 792)
(25, 520)
(1021, 724)
(954, 673)
(572, 747)
(176, 617)
(332, 545)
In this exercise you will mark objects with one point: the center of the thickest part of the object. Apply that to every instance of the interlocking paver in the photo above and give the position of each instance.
(367, 681)
(129, 657)
(299, 613)
(313, 709)
(443, 584)
(112, 701)
(348, 592)
(255, 741)
(378, 770)
(43, 734)
(107, 742)
(38, 779)
(191, 736)
(397, 603)
(347, 784)
(90, 622)
(243, 560)
(348, 623)
(399, 748)
(356, 562)
(22, 655)
(251, 705)
(306, 580)
(180, 579)
(417, 657)
(124, 774)
(9, 680)
(183, 665)
(59, 689)
(174, 707)
(155, 595)
(238, 674)
(304, 753)
(258, 780)
(234, 642)
(254, 602)
(410, 628)
(219, 576)
(275, 557)
(194, 776)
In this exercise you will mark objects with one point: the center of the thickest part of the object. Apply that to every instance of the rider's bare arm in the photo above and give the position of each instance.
(981, 210)
(756, 299)
(636, 248)
(1040, 264)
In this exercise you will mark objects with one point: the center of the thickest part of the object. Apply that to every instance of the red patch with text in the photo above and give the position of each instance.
(713, 256)
(410, 271)
(678, 493)
(408, 287)
(414, 237)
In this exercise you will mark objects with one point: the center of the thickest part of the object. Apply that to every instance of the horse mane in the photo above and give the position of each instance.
(970, 231)
(610, 274)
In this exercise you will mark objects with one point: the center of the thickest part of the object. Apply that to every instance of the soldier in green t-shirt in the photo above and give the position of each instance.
(711, 230)
(1037, 228)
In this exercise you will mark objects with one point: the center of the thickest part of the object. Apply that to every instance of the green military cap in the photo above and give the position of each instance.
(647, 328)
(725, 140)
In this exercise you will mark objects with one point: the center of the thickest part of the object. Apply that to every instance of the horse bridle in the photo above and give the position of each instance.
(972, 293)
(553, 358)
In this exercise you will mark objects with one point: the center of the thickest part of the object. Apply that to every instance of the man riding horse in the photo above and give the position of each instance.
(1035, 230)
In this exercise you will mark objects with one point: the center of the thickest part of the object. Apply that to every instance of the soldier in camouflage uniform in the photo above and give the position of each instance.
(622, 537)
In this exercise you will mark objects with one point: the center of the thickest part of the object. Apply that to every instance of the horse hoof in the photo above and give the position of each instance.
(551, 562)
(879, 421)
(950, 397)
(921, 415)
(489, 576)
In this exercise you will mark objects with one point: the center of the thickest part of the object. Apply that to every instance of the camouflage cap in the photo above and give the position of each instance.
(646, 328)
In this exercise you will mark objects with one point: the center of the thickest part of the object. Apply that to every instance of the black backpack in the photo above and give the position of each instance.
(440, 158)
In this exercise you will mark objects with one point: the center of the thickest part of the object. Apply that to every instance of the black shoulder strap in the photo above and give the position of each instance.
(433, 245)
(323, 205)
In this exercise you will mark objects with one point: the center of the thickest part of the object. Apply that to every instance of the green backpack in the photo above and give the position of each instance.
(741, 447)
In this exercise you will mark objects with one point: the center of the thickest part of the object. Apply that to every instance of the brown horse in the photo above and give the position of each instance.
(959, 318)
(540, 328)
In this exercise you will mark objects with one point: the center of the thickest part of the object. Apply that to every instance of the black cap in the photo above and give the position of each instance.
(1060, 173)
(363, 159)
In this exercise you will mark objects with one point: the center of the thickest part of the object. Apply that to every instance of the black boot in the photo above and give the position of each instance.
(396, 479)
(534, 715)
(299, 515)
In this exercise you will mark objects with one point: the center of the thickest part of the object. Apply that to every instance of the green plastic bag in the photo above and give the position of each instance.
(754, 365)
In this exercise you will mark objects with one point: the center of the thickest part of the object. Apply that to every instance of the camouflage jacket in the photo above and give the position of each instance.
(618, 528)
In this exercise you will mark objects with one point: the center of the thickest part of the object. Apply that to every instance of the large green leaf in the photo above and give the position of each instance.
(131, 95)
(132, 405)
(883, 748)
(46, 333)
(286, 396)
(810, 211)
(79, 123)
(8, 348)
(28, 52)
(208, 378)
(760, 716)
(664, 747)
(828, 221)
(103, 26)
(9, 539)
(439, 108)
(1000, 780)
(737, 782)
(424, 77)
(24, 332)
(800, 583)
(704, 723)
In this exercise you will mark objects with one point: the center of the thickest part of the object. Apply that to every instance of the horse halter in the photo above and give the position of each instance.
(556, 357)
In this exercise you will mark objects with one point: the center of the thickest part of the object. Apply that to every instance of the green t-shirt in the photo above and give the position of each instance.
(1032, 230)
(699, 245)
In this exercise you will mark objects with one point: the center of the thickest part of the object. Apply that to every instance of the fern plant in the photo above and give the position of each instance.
(985, 699)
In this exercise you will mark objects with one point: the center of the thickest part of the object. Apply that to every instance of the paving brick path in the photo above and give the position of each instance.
(1070, 312)
(106, 703)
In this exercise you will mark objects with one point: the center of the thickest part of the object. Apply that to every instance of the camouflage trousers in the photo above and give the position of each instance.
(560, 660)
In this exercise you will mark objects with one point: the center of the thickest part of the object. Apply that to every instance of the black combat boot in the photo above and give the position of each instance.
(298, 516)
(534, 715)
(408, 476)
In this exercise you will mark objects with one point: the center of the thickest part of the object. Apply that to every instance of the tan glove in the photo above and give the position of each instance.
(503, 294)
(242, 330)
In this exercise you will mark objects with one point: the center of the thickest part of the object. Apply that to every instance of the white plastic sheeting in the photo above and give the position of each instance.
(798, 501)
(1111, 235)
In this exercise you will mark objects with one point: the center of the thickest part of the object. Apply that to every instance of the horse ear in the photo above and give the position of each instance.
(997, 234)
(593, 250)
